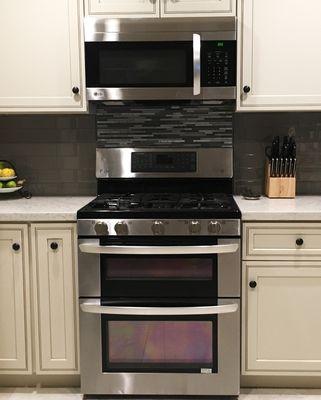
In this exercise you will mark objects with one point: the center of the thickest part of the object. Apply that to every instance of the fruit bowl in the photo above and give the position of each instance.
(10, 190)
(9, 178)
(9, 182)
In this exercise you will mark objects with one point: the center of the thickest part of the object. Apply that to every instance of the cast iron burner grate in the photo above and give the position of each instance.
(162, 201)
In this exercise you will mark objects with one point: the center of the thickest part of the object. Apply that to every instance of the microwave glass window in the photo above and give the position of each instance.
(139, 64)
(153, 345)
(142, 67)
(159, 268)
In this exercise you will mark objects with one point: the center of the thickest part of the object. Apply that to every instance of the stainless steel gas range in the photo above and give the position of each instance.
(159, 275)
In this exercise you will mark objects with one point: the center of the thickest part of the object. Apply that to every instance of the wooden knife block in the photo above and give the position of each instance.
(279, 188)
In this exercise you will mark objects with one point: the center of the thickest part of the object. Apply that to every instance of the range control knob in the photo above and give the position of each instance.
(158, 228)
(101, 228)
(194, 227)
(214, 227)
(121, 228)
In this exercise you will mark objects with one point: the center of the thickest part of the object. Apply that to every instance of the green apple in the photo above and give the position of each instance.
(1, 185)
(11, 184)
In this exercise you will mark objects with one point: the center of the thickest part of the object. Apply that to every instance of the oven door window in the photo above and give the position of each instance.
(154, 344)
(139, 64)
(159, 276)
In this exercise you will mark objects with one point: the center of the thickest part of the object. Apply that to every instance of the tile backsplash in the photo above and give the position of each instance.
(56, 154)
(254, 131)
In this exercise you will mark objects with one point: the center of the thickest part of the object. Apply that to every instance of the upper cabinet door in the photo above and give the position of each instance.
(123, 8)
(197, 8)
(15, 341)
(41, 56)
(279, 56)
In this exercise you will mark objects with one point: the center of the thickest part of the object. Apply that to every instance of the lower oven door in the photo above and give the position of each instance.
(160, 350)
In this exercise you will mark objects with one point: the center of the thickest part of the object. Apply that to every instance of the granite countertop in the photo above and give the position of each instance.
(302, 208)
(42, 209)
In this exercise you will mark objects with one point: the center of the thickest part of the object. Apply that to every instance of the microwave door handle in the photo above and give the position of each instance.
(197, 64)
(92, 248)
(94, 307)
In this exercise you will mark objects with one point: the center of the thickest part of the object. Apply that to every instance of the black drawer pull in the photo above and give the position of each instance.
(54, 246)
(299, 242)
(16, 247)
(253, 284)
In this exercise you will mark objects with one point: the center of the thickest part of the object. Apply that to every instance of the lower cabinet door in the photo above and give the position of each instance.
(15, 340)
(282, 318)
(55, 295)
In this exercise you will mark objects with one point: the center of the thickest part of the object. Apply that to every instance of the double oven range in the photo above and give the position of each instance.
(159, 275)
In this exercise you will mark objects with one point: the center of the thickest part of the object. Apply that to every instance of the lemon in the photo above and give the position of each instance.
(11, 184)
(7, 172)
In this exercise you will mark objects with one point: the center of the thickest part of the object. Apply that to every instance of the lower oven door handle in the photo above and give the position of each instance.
(158, 250)
(94, 307)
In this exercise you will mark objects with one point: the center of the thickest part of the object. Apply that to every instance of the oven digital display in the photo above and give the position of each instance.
(163, 162)
(164, 159)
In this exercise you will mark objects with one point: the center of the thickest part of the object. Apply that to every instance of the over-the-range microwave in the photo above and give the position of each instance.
(155, 59)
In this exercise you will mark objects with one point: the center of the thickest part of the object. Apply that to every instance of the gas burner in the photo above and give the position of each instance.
(161, 202)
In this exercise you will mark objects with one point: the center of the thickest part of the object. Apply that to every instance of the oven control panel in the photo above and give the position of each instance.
(164, 162)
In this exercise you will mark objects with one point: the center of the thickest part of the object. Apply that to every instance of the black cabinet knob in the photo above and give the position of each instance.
(16, 247)
(299, 242)
(75, 90)
(54, 246)
(246, 89)
(253, 284)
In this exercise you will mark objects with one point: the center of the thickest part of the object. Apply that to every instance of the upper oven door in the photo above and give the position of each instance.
(132, 65)
(209, 269)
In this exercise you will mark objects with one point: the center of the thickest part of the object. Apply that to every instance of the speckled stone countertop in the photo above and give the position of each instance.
(302, 208)
(42, 209)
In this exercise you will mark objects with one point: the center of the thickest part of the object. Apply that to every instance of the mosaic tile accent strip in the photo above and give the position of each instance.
(160, 124)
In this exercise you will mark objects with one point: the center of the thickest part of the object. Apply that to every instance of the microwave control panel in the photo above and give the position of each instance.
(218, 63)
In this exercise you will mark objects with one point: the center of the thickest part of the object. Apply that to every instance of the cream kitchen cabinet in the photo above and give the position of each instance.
(281, 293)
(55, 298)
(160, 8)
(197, 8)
(282, 324)
(42, 68)
(15, 337)
(123, 8)
(279, 61)
(44, 302)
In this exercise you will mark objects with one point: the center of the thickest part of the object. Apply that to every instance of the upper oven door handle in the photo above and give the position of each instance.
(94, 307)
(197, 64)
(158, 250)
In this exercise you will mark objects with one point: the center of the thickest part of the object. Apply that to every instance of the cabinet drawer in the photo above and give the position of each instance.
(281, 241)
